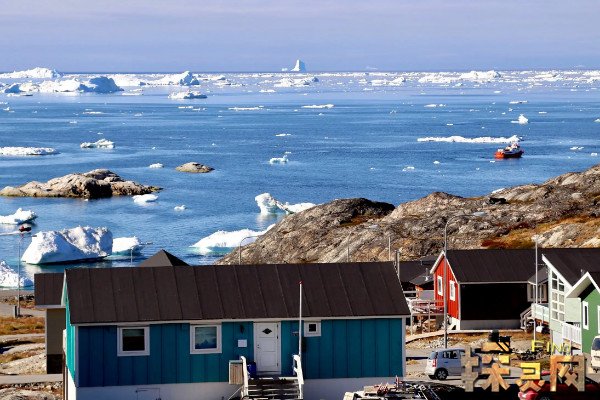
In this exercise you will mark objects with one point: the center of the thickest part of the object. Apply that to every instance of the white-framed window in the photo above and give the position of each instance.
(452, 291)
(133, 341)
(205, 339)
(440, 286)
(312, 328)
(585, 318)
(557, 300)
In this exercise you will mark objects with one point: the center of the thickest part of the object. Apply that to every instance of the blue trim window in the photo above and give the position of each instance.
(205, 339)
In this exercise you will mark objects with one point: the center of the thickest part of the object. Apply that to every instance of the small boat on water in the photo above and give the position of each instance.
(512, 151)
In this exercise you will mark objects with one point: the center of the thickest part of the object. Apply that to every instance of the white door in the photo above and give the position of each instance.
(266, 347)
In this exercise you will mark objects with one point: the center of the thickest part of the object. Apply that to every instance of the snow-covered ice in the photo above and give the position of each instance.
(34, 73)
(269, 205)
(183, 79)
(222, 242)
(461, 139)
(144, 198)
(75, 244)
(8, 277)
(522, 120)
(100, 144)
(126, 246)
(190, 95)
(279, 160)
(27, 151)
(18, 217)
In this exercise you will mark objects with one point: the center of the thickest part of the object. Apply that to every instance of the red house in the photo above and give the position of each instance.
(487, 289)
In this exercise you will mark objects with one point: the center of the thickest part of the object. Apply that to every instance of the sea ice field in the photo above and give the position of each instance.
(302, 137)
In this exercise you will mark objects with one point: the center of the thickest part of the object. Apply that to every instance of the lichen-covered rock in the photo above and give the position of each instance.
(563, 212)
(95, 184)
(195, 168)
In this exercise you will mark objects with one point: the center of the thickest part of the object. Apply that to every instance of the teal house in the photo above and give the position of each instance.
(587, 291)
(220, 332)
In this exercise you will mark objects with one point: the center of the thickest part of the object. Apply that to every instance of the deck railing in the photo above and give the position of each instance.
(541, 312)
(571, 333)
(297, 363)
(245, 391)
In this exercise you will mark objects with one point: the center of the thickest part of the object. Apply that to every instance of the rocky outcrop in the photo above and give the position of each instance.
(195, 168)
(95, 184)
(561, 212)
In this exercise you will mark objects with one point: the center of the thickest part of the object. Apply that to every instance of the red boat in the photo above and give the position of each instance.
(512, 151)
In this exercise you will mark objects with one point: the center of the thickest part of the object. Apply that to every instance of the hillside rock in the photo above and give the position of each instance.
(195, 168)
(95, 184)
(562, 212)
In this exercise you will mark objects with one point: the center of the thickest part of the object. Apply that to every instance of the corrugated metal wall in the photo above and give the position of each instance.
(345, 349)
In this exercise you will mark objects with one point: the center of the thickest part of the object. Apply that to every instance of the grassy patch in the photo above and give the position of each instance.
(16, 326)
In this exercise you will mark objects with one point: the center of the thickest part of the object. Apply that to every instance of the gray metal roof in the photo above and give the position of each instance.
(163, 259)
(573, 263)
(48, 289)
(114, 295)
(492, 265)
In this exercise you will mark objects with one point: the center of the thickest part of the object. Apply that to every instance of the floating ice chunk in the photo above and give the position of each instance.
(320, 106)
(295, 82)
(283, 134)
(34, 73)
(27, 151)
(594, 154)
(480, 76)
(122, 246)
(266, 91)
(542, 112)
(408, 168)
(269, 205)
(92, 112)
(522, 120)
(100, 144)
(576, 148)
(385, 82)
(299, 67)
(19, 217)
(180, 208)
(449, 124)
(436, 162)
(189, 95)
(597, 120)
(184, 79)
(279, 160)
(434, 105)
(15, 88)
(461, 139)
(9, 277)
(156, 165)
(518, 102)
(75, 244)
(144, 198)
(258, 108)
(222, 242)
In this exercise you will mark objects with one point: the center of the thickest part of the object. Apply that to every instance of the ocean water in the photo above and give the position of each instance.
(365, 146)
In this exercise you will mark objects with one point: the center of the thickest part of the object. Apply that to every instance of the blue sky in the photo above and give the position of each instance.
(266, 35)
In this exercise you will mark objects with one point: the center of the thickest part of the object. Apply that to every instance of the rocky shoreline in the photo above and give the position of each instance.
(562, 212)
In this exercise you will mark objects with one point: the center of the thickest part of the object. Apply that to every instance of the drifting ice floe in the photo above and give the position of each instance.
(434, 105)
(279, 160)
(408, 168)
(222, 242)
(34, 73)
(27, 151)
(384, 82)
(76, 244)
(19, 217)
(461, 139)
(517, 102)
(246, 108)
(100, 144)
(187, 95)
(180, 208)
(8, 277)
(156, 165)
(522, 120)
(269, 205)
(126, 246)
(98, 84)
(320, 106)
(479, 76)
(291, 82)
(184, 79)
(283, 134)
(597, 120)
(144, 198)
(576, 148)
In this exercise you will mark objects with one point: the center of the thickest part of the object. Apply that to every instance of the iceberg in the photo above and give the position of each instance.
(479, 76)
(522, 120)
(126, 246)
(19, 217)
(156, 165)
(461, 139)
(183, 79)
(144, 198)
(9, 278)
(318, 106)
(269, 205)
(190, 95)
(99, 84)
(75, 244)
(222, 242)
(279, 160)
(34, 73)
(299, 67)
(27, 151)
(100, 144)
(15, 88)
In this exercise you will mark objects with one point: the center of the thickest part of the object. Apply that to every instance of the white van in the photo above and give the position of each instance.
(595, 353)
(443, 363)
